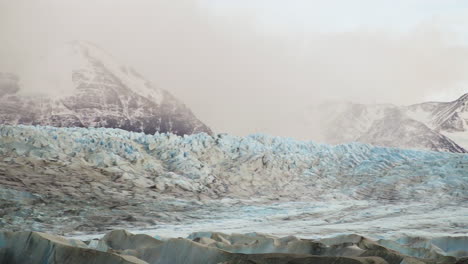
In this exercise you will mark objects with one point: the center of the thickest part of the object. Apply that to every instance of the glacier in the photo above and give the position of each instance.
(170, 185)
(234, 165)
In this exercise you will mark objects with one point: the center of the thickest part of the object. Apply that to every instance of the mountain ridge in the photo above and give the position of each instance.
(83, 86)
(436, 126)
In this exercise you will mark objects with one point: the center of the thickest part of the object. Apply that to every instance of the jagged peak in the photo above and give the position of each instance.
(53, 75)
(463, 98)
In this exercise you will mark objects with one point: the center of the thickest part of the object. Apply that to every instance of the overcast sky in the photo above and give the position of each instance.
(246, 66)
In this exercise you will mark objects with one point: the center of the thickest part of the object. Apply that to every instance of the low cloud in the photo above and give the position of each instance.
(236, 76)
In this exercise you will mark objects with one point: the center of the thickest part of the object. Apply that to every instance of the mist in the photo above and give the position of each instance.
(241, 74)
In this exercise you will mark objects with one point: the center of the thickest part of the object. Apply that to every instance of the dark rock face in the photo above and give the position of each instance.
(100, 94)
(82, 111)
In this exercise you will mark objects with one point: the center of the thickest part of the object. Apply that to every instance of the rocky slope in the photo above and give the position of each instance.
(427, 126)
(448, 118)
(82, 86)
(409, 133)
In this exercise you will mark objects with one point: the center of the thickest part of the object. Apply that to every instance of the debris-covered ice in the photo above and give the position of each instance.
(86, 181)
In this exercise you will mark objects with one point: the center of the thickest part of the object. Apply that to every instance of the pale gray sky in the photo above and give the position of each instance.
(246, 66)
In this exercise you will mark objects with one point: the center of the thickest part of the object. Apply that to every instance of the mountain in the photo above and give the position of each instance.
(398, 130)
(436, 126)
(345, 122)
(448, 118)
(82, 86)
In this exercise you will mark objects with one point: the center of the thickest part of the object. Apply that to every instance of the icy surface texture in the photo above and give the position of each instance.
(259, 165)
(78, 181)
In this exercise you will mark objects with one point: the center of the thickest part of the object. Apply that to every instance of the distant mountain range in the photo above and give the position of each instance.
(437, 126)
(82, 86)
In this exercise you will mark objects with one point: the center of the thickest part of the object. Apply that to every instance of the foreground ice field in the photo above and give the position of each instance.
(123, 247)
(83, 183)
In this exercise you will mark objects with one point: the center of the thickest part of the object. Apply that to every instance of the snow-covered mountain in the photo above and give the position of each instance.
(82, 86)
(448, 118)
(437, 126)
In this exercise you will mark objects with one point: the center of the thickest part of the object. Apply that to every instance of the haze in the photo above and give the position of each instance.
(256, 66)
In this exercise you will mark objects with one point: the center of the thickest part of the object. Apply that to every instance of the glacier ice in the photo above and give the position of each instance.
(110, 178)
(256, 164)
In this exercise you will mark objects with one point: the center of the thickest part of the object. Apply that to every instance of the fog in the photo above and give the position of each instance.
(240, 70)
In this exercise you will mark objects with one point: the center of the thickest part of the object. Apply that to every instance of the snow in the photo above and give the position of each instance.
(256, 161)
(418, 113)
(460, 137)
(395, 223)
(126, 74)
(268, 184)
(81, 85)
(53, 75)
(420, 126)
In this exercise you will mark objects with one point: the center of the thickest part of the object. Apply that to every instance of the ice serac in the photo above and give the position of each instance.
(238, 166)
(82, 86)
(110, 178)
(436, 126)
(120, 246)
(214, 247)
(40, 248)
